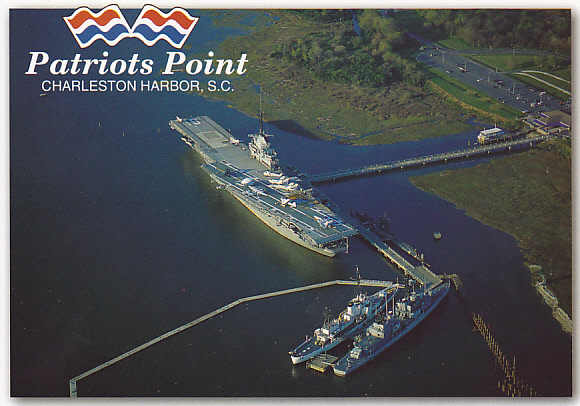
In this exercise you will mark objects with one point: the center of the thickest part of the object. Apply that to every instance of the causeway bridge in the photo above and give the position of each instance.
(421, 273)
(508, 146)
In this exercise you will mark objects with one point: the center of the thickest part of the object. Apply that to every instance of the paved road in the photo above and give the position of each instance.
(495, 84)
(486, 51)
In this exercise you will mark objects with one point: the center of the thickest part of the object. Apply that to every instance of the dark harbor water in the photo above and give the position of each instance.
(117, 236)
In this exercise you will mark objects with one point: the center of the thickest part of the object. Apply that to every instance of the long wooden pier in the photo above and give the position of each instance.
(421, 274)
(509, 146)
(362, 282)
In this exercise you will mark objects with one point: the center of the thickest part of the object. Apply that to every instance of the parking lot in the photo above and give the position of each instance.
(521, 96)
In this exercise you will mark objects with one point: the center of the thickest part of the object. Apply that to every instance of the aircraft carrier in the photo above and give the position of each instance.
(270, 189)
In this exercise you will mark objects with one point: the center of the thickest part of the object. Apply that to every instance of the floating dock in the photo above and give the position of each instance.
(321, 362)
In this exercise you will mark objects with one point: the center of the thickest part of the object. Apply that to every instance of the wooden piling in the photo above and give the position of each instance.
(508, 383)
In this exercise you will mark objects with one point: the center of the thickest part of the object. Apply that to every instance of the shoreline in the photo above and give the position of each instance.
(541, 288)
(532, 190)
(550, 299)
(355, 114)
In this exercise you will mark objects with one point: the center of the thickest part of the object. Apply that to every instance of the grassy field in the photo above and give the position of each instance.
(564, 73)
(294, 99)
(533, 193)
(507, 62)
(564, 84)
(542, 86)
(455, 43)
(483, 106)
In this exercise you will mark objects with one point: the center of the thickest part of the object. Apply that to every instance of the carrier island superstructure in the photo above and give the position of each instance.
(270, 189)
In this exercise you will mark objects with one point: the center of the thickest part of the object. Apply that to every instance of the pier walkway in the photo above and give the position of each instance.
(527, 142)
(362, 282)
(421, 274)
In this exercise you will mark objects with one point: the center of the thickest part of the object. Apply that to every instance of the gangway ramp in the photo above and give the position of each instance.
(420, 273)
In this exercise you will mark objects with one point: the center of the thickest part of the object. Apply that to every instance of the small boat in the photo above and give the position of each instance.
(437, 235)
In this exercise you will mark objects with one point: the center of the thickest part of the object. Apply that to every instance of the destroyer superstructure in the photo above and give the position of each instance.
(267, 187)
(360, 312)
(391, 325)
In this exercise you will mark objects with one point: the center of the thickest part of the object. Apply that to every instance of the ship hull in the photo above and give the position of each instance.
(310, 224)
(271, 222)
(306, 357)
(343, 368)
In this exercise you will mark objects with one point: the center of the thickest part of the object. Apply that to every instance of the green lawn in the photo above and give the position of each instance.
(454, 42)
(508, 62)
(564, 73)
(566, 85)
(542, 86)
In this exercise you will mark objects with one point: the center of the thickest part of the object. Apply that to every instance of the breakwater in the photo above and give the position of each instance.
(362, 282)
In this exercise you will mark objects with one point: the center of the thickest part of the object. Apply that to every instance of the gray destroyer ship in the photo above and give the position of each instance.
(270, 189)
(391, 325)
(360, 312)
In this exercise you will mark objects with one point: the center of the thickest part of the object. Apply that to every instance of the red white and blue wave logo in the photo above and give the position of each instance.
(110, 25)
(153, 25)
